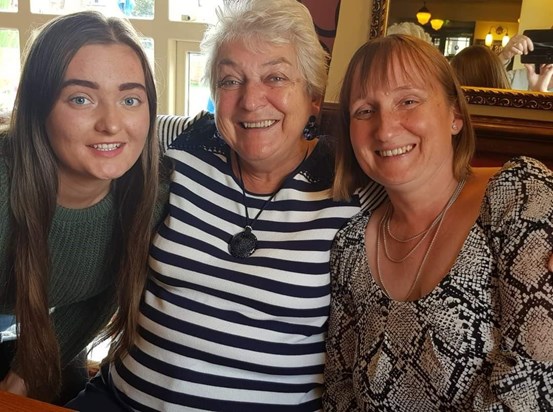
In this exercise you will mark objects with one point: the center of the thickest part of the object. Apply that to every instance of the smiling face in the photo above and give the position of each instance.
(99, 123)
(401, 130)
(262, 103)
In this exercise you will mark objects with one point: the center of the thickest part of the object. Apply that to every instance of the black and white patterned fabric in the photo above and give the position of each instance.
(482, 340)
(169, 127)
(221, 333)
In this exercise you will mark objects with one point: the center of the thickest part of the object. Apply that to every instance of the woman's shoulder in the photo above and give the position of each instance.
(523, 188)
(353, 230)
(518, 171)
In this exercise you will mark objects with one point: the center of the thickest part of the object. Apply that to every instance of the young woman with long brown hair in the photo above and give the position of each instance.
(79, 181)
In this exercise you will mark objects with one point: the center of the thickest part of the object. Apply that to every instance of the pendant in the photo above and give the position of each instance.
(243, 244)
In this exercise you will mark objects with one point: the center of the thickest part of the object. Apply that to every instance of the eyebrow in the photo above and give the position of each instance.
(96, 86)
(274, 62)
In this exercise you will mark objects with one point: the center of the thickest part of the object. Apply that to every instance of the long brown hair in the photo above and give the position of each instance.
(478, 66)
(32, 164)
(370, 65)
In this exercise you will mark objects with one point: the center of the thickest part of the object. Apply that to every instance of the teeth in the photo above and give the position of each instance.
(106, 147)
(396, 151)
(256, 125)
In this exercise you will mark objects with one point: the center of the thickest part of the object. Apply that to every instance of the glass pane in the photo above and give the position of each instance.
(454, 45)
(148, 45)
(198, 92)
(9, 70)
(202, 11)
(143, 9)
(8, 6)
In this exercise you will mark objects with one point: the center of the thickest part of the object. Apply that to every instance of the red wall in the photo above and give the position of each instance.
(325, 15)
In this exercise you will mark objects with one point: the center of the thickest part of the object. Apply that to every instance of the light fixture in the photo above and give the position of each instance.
(436, 24)
(489, 38)
(505, 39)
(498, 30)
(423, 15)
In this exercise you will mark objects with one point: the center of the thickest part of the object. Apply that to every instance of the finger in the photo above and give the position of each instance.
(532, 70)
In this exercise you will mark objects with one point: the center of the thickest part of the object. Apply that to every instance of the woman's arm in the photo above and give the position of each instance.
(518, 208)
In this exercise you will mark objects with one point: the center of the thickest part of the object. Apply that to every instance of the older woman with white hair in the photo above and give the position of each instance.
(234, 315)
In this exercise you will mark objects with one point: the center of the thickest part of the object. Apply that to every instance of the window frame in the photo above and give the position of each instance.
(166, 35)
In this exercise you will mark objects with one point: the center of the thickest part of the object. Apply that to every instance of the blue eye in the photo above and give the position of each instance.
(131, 101)
(80, 100)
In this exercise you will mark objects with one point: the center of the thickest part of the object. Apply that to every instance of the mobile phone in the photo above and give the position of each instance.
(543, 47)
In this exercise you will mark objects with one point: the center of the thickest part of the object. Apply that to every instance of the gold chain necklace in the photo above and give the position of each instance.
(381, 233)
(385, 221)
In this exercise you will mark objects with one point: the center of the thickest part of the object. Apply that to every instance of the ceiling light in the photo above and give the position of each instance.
(423, 15)
(436, 24)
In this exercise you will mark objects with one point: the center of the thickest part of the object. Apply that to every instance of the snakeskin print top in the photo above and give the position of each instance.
(482, 340)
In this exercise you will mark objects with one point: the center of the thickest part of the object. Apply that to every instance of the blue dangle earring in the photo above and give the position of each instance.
(310, 129)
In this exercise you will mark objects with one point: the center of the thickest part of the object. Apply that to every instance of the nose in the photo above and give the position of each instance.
(253, 96)
(386, 125)
(109, 120)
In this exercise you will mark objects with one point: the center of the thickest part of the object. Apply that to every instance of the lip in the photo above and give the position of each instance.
(396, 151)
(110, 149)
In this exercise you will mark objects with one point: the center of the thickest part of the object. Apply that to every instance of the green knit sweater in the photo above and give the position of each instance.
(82, 283)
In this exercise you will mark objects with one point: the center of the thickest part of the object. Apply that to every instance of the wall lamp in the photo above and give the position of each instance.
(498, 30)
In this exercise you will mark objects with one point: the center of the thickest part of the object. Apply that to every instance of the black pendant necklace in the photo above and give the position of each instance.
(244, 243)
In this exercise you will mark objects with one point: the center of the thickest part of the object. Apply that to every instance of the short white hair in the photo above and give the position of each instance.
(409, 28)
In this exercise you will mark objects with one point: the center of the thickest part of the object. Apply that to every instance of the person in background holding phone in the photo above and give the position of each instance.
(527, 78)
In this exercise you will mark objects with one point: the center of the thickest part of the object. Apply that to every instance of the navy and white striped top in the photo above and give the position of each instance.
(228, 334)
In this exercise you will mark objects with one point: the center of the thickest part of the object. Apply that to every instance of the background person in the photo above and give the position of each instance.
(440, 297)
(79, 181)
(526, 78)
(479, 66)
(412, 29)
(235, 312)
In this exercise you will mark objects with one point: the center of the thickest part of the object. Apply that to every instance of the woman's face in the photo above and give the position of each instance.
(401, 132)
(99, 123)
(262, 103)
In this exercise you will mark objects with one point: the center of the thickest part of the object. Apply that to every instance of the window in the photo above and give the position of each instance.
(130, 8)
(9, 73)
(454, 45)
(193, 10)
(9, 6)
(160, 23)
(192, 93)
